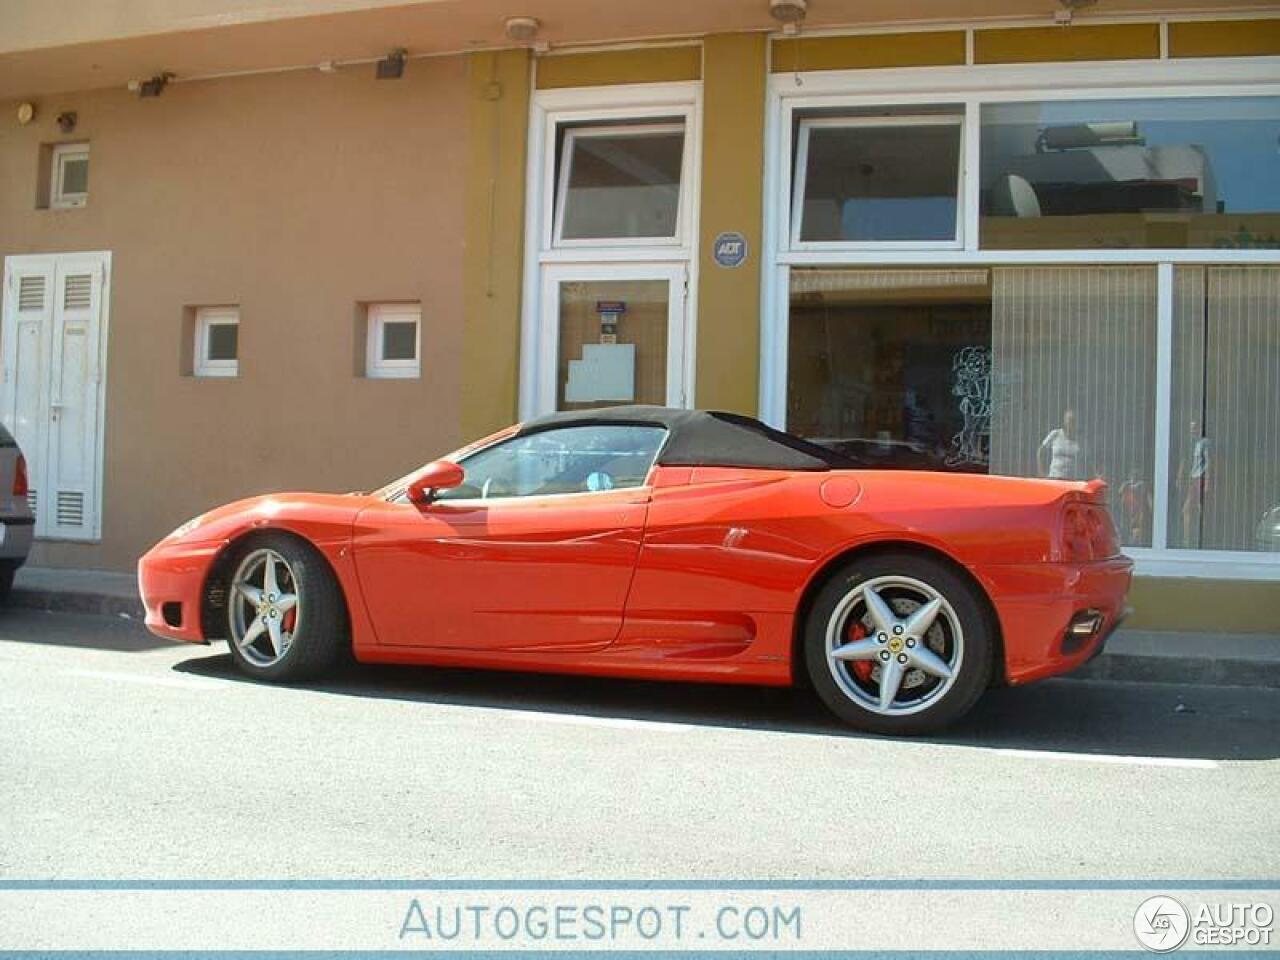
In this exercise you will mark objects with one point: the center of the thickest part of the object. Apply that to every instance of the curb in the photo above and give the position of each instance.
(63, 601)
(1211, 671)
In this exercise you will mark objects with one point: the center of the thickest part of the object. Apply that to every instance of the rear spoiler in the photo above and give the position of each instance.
(1091, 491)
(1096, 489)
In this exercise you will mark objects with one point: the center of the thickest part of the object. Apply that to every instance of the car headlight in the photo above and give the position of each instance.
(186, 528)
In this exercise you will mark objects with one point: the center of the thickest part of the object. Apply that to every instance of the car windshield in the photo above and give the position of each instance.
(574, 459)
(396, 488)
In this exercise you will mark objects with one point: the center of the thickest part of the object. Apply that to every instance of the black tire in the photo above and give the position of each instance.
(7, 570)
(977, 633)
(321, 636)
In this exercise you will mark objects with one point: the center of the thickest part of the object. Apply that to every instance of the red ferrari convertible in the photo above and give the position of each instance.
(669, 544)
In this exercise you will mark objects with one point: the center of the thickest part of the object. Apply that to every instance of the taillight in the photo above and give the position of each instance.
(20, 477)
(1087, 533)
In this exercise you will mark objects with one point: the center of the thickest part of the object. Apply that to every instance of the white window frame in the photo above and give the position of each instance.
(379, 315)
(791, 97)
(806, 125)
(206, 319)
(571, 136)
(622, 105)
(59, 199)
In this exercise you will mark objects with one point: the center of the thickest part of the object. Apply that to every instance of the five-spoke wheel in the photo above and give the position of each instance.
(898, 643)
(264, 607)
(285, 613)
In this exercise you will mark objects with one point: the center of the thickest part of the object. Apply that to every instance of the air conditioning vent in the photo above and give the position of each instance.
(70, 508)
(76, 293)
(31, 293)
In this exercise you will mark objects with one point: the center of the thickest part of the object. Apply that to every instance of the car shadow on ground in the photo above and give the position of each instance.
(1066, 715)
(118, 634)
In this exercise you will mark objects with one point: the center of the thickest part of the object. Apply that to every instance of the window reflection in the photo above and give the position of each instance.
(892, 367)
(1160, 173)
(879, 179)
(620, 182)
(1023, 371)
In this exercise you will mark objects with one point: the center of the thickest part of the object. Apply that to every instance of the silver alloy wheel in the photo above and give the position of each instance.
(264, 608)
(913, 641)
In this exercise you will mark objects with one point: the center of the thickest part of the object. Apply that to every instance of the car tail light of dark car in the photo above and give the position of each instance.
(1087, 533)
(20, 477)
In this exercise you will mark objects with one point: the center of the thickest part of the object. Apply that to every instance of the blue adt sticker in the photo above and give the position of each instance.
(730, 249)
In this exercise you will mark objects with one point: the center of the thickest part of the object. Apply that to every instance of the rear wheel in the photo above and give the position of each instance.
(286, 617)
(898, 644)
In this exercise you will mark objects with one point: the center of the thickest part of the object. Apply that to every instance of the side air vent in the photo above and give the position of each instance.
(31, 293)
(31, 499)
(70, 508)
(77, 291)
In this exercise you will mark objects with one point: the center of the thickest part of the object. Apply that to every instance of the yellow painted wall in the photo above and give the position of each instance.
(493, 238)
(924, 49)
(1225, 38)
(728, 342)
(641, 65)
(1112, 41)
(1213, 606)
(298, 197)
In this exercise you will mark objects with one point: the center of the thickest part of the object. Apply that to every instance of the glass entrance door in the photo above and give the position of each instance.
(612, 335)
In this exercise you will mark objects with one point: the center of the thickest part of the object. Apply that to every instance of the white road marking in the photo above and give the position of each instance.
(617, 723)
(623, 723)
(1187, 763)
(185, 683)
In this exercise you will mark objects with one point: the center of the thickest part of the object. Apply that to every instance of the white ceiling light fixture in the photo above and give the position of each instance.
(522, 29)
(1069, 8)
(789, 13)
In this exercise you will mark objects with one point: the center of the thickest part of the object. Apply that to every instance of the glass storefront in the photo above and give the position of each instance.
(1154, 372)
(1131, 174)
(1224, 456)
(1026, 371)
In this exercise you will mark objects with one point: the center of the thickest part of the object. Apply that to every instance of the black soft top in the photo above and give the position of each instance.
(705, 438)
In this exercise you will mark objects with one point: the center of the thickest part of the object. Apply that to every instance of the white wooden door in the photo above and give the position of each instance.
(53, 347)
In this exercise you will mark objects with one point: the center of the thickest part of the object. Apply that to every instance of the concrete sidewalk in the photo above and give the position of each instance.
(77, 591)
(1251, 660)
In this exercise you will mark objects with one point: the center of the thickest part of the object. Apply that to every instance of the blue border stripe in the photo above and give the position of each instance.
(626, 955)
(629, 885)
(619, 955)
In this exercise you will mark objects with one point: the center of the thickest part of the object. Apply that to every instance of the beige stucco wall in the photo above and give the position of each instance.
(296, 196)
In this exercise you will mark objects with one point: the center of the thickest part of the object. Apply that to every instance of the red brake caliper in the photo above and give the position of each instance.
(861, 668)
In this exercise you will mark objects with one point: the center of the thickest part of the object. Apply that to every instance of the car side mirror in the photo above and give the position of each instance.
(437, 475)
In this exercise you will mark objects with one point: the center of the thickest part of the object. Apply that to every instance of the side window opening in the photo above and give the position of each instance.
(583, 459)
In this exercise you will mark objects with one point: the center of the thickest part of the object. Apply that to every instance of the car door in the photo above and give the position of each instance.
(536, 551)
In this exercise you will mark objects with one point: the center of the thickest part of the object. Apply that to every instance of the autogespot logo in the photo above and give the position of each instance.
(1161, 924)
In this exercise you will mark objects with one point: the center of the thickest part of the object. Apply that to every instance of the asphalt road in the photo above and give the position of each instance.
(123, 757)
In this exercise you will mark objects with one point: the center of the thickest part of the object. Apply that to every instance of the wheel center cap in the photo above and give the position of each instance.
(895, 645)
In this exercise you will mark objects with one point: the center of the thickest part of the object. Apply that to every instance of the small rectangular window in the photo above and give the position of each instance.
(394, 341)
(620, 183)
(69, 178)
(217, 346)
(878, 180)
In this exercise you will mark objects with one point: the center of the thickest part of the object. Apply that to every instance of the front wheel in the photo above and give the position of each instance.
(286, 617)
(898, 644)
